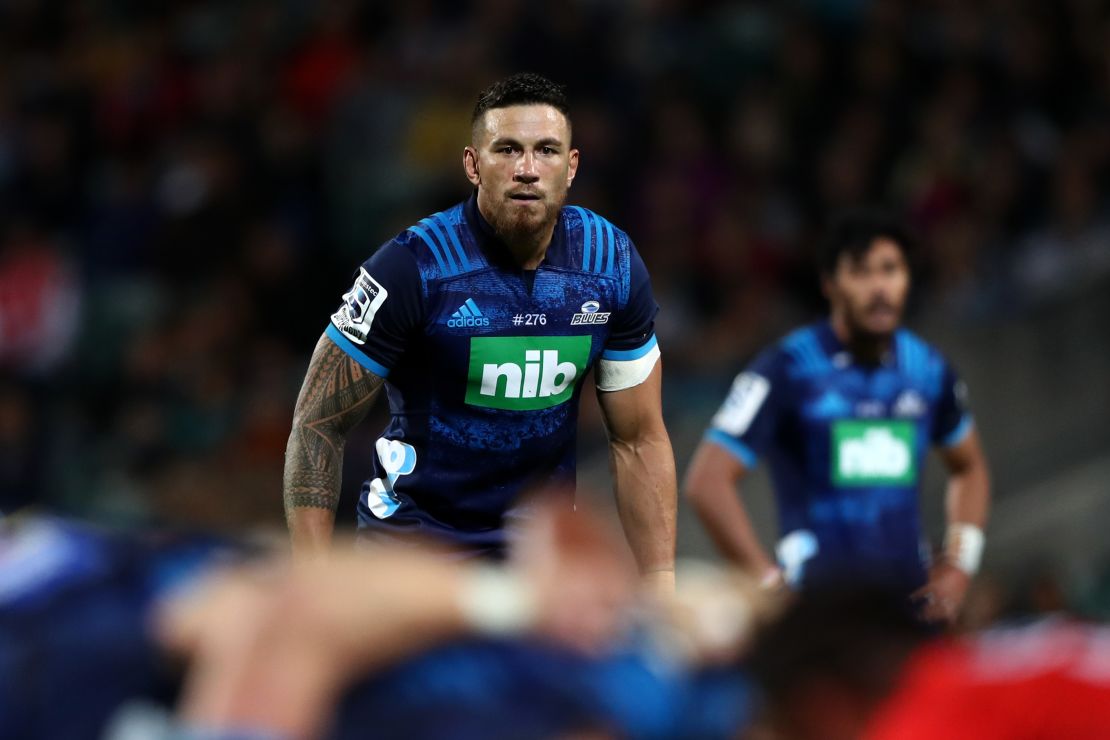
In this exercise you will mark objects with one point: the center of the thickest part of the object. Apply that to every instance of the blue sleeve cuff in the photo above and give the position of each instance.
(959, 434)
(630, 354)
(355, 353)
(734, 447)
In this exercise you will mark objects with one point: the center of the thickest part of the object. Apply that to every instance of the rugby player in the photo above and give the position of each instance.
(481, 322)
(844, 410)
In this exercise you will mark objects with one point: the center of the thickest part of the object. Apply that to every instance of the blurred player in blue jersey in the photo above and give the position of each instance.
(844, 411)
(481, 322)
(89, 620)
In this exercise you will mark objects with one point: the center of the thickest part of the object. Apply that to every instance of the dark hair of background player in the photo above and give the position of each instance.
(853, 233)
(856, 639)
(524, 88)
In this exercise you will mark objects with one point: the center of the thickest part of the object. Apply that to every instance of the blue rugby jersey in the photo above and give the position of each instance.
(484, 364)
(846, 446)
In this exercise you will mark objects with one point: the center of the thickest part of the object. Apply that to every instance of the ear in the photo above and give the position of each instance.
(572, 166)
(470, 165)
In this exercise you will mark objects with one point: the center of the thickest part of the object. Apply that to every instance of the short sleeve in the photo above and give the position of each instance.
(951, 420)
(631, 350)
(380, 312)
(748, 419)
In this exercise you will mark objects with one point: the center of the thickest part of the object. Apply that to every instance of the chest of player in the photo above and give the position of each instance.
(503, 340)
(863, 428)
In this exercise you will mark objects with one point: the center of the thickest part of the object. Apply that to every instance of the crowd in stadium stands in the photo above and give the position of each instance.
(186, 186)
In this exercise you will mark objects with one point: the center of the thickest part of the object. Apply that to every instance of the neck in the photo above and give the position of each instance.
(529, 250)
(867, 348)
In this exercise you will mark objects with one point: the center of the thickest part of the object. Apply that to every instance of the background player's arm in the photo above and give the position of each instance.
(967, 501)
(711, 487)
(642, 463)
(336, 395)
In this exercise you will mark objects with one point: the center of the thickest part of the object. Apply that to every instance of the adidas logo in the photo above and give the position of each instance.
(468, 315)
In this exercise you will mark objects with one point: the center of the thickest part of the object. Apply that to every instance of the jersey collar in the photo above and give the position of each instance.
(839, 354)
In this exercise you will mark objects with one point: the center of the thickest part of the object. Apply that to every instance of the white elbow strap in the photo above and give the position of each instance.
(494, 601)
(619, 370)
(963, 546)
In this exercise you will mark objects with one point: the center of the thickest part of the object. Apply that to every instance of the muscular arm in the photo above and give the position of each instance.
(642, 463)
(710, 485)
(336, 395)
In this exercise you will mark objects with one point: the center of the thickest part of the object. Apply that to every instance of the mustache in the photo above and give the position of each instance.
(880, 304)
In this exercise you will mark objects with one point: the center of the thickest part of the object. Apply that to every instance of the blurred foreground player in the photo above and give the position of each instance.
(313, 649)
(485, 318)
(844, 411)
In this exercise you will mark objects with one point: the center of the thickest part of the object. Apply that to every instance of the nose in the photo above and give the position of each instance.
(526, 169)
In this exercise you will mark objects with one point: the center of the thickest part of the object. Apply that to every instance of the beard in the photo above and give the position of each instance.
(865, 329)
(515, 225)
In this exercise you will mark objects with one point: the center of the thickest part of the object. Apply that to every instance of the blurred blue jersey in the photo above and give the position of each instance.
(846, 444)
(75, 647)
(485, 364)
(74, 631)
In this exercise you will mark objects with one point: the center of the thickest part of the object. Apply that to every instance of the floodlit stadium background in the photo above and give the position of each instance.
(185, 189)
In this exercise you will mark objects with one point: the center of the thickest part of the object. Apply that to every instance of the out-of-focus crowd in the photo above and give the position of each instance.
(185, 188)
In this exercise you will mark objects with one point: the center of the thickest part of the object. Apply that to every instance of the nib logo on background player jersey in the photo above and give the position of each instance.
(468, 315)
(525, 373)
(867, 453)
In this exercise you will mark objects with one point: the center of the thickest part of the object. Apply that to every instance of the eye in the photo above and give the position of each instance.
(548, 150)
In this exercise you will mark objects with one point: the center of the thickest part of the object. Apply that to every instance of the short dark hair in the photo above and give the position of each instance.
(857, 636)
(853, 232)
(524, 88)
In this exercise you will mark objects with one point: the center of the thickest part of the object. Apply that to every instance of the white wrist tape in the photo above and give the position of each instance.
(494, 601)
(963, 546)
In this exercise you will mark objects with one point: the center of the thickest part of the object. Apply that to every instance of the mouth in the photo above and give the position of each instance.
(881, 310)
(525, 196)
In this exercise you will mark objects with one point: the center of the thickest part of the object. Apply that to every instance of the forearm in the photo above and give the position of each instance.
(967, 499)
(723, 513)
(311, 489)
(646, 494)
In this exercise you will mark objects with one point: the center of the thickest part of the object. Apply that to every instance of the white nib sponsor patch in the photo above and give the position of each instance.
(360, 305)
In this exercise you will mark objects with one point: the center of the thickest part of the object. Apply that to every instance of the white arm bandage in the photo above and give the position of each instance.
(963, 546)
(622, 370)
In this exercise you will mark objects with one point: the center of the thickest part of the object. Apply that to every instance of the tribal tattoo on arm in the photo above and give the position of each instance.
(336, 395)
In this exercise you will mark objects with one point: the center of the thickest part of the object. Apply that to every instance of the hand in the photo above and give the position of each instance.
(581, 574)
(942, 597)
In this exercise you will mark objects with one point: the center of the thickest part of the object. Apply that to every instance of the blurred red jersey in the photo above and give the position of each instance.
(1047, 681)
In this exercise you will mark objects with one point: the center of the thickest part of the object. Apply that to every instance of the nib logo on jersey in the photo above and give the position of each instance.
(525, 373)
(468, 316)
(868, 453)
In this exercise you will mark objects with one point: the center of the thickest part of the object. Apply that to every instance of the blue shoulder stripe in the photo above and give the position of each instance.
(441, 239)
(441, 217)
(599, 242)
(806, 349)
(587, 236)
(919, 363)
(611, 268)
(432, 247)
